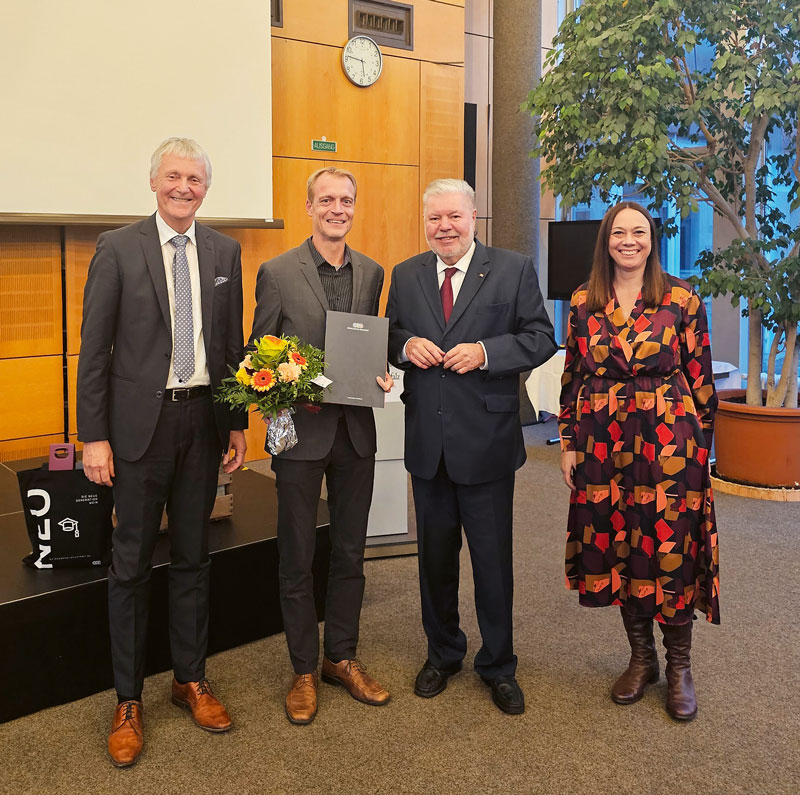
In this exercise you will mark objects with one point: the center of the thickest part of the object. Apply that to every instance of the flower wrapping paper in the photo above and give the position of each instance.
(281, 433)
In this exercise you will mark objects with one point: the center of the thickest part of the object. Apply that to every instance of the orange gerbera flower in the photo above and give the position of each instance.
(298, 358)
(263, 380)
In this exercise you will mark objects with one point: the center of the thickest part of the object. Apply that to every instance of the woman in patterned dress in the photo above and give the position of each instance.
(636, 421)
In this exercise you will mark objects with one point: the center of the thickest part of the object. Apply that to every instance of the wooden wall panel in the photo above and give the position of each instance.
(387, 219)
(33, 397)
(32, 447)
(441, 126)
(30, 291)
(79, 249)
(72, 391)
(438, 28)
(255, 436)
(312, 98)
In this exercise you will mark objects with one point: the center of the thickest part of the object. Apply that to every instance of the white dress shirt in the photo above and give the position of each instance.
(165, 235)
(456, 280)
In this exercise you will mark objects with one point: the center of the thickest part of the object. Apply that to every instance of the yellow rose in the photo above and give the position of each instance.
(271, 347)
(243, 377)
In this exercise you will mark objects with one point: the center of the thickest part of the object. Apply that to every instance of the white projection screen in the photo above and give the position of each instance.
(90, 88)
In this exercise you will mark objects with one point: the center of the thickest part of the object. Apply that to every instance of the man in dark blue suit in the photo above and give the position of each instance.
(465, 321)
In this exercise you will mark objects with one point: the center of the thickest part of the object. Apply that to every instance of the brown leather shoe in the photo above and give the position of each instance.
(207, 711)
(301, 700)
(352, 675)
(126, 738)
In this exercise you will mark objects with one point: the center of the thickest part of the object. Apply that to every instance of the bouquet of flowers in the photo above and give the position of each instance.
(276, 376)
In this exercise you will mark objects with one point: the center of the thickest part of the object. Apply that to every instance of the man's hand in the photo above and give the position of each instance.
(385, 383)
(464, 357)
(237, 446)
(98, 462)
(569, 458)
(423, 353)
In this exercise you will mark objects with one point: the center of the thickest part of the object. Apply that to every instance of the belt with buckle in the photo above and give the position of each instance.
(186, 393)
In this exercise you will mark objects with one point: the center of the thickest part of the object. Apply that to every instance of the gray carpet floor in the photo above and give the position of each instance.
(571, 739)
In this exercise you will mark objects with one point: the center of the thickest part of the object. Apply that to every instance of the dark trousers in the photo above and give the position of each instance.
(349, 479)
(485, 512)
(178, 470)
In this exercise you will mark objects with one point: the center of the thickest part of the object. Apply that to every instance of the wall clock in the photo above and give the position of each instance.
(362, 61)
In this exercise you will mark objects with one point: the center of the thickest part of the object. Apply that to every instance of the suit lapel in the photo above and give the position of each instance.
(475, 276)
(430, 287)
(151, 246)
(205, 262)
(358, 279)
(309, 270)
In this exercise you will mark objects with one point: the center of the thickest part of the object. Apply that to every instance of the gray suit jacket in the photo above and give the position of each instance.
(126, 335)
(290, 300)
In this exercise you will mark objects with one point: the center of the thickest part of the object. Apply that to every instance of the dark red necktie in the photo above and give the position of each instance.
(446, 291)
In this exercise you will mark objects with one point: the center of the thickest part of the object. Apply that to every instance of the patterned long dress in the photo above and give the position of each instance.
(638, 404)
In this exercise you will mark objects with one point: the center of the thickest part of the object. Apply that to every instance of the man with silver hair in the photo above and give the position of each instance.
(162, 323)
(465, 321)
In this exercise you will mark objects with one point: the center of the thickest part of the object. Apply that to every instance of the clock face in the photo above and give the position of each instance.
(362, 61)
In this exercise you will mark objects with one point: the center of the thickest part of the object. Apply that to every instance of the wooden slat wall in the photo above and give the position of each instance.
(394, 136)
(79, 249)
(30, 291)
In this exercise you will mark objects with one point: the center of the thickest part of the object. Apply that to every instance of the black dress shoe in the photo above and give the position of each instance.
(431, 680)
(507, 694)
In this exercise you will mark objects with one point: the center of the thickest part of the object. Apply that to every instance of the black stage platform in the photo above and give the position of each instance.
(54, 643)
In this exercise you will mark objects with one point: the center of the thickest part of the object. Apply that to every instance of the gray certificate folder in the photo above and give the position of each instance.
(355, 353)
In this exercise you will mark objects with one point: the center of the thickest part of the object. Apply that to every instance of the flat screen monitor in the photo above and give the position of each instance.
(570, 250)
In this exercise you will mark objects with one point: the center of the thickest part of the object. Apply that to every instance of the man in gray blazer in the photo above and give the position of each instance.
(293, 293)
(162, 323)
(464, 321)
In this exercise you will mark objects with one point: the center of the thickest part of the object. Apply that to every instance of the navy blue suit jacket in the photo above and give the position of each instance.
(471, 419)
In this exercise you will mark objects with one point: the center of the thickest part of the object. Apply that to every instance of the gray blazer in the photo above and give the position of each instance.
(126, 335)
(290, 300)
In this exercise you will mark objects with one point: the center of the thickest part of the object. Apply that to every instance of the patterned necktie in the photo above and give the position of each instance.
(183, 333)
(446, 291)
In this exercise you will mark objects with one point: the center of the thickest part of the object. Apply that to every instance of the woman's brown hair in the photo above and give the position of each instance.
(601, 278)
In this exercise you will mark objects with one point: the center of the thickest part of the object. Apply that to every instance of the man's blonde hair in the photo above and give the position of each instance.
(334, 172)
(187, 148)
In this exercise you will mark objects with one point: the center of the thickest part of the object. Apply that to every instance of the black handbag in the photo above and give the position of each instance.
(68, 518)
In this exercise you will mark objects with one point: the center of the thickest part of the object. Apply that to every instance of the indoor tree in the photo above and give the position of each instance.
(681, 98)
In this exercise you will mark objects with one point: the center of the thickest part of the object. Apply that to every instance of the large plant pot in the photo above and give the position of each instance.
(757, 445)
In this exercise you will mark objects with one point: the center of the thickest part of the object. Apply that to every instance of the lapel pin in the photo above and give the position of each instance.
(481, 275)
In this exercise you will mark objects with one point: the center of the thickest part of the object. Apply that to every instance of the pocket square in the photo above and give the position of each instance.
(220, 280)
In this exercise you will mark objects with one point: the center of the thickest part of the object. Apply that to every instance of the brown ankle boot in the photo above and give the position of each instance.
(643, 667)
(681, 699)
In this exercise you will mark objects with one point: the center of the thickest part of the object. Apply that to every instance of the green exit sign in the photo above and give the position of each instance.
(323, 145)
